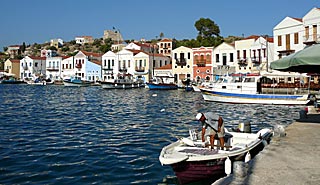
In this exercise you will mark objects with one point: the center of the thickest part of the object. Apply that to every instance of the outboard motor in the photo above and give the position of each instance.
(244, 127)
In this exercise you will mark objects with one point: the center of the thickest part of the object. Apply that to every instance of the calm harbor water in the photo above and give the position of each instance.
(65, 135)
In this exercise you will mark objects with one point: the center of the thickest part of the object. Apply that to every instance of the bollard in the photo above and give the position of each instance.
(279, 131)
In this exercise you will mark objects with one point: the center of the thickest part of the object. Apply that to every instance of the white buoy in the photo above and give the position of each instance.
(248, 157)
(227, 166)
(154, 95)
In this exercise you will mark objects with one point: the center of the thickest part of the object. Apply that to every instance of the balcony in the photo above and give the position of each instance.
(242, 62)
(201, 63)
(52, 68)
(78, 66)
(311, 39)
(25, 67)
(256, 61)
(107, 68)
(123, 70)
(140, 69)
(181, 62)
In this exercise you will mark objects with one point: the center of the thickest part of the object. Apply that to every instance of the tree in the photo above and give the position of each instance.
(161, 35)
(208, 32)
(23, 47)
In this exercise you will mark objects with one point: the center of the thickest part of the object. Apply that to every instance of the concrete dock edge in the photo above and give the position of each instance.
(293, 159)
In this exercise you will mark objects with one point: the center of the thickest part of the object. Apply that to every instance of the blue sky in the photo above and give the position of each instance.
(38, 21)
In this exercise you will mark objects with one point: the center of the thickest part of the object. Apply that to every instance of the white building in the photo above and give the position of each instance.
(32, 67)
(224, 59)
(53, 68)
(182, 64)
(146, 63)
(165, 47)
(84, 39)
(109, 66)
(243, 55)
(261, 54)
(311, 23)
(68, 67)
(288, 37)
(88, 66)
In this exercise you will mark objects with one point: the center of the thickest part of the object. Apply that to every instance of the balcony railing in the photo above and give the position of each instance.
(242, 61)
(181, 61)
(107, 68)
(123, 70)
(311, 38)
(201, 63)
(78, 65)
(53, 68)
(256, 60)
(140, 69)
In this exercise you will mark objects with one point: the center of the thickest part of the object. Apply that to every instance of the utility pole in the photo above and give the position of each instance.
(267, 53)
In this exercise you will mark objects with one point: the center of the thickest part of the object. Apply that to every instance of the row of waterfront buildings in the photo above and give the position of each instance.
(144, 60)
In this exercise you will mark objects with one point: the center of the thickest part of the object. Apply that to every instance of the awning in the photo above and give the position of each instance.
(304, 61)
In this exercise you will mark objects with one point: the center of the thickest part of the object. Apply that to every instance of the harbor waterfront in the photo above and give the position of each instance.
(89, 135)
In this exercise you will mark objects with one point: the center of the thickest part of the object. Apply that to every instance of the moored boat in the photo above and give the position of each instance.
(122, 82)
(159, 84)
(250, 90)
(191, 161)
(75, 82)
(12, 81)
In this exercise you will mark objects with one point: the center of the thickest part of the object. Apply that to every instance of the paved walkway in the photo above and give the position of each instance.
(293, 159)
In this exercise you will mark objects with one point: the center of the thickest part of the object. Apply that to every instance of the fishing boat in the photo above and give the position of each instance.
(123, 82)
(12, 81)
(192, 161)
(75, 81)
(251, 90)
(39, 81)
(159, 83)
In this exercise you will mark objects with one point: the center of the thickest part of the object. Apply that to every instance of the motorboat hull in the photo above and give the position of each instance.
(192, 162)
(276, 99)
(111, 85)
(75, 84)
(153, 86)
(209, 170)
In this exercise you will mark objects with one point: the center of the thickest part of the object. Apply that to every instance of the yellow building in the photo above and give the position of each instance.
(12, 67)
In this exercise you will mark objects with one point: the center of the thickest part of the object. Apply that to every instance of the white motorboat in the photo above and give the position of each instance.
(250, 90)
(192, 161)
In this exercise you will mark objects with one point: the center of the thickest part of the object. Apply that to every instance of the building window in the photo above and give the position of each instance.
(244, 54)
(231, 57)
(208, 58)
(279, 40)
(307, 32)
(189, 55)
(217, 58)
(238, 54)
(296, 38)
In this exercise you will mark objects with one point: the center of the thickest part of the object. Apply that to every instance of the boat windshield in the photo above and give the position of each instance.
(251, 79)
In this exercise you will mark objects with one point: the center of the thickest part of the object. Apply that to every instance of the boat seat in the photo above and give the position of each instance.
(227, 139)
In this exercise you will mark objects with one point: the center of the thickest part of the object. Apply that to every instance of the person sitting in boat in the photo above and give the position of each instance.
(212, 124)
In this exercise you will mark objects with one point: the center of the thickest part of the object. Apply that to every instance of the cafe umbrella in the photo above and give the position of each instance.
(303, 61)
